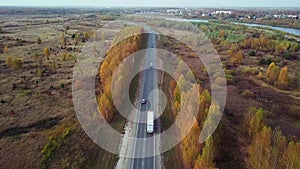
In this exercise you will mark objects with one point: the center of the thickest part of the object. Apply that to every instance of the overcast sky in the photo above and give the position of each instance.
(155, 3)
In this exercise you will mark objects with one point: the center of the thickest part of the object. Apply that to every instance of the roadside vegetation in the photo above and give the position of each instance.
(262, 74)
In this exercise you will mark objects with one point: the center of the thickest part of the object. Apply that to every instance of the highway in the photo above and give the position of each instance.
(149, 83)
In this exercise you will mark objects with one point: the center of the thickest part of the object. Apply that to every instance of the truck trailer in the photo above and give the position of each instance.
(150, 122)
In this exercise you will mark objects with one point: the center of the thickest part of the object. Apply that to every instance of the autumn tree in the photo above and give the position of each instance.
(260, 75)
(5, 49)
(204, 104)
(68, 56)
(256, 123)
(282, 81)
(190, 77)
(206, 159)
(233, 49)
(222, 34)
(181, 68)
(278, 147)
(272, 73)
(176, 100)
(64, 57)
(46, 53)
(260, 149)
(53, 67)
(270, 149)
(236, 55)
(237, 58)
(291, 156)
(63, 41)
(106, 108)
(8, 61)
(114, 57)
(182, 83)
(191, 146)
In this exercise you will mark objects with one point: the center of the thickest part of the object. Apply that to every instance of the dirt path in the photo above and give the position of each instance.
(292, 94)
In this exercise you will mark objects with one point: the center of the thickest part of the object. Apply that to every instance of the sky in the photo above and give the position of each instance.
(154, 3)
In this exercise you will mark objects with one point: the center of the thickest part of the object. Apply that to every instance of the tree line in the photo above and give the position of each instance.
(110, 64)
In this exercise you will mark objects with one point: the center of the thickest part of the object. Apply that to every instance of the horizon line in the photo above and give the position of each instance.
(116, 6)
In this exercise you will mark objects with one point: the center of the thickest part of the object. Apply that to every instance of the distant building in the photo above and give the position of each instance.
(223, 12)
(277, 16)
(174, 12)
(293, 16)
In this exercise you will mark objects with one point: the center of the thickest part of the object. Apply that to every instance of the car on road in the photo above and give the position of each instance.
(144, 101)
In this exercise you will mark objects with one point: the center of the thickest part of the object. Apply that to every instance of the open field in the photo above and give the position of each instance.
(39, 127)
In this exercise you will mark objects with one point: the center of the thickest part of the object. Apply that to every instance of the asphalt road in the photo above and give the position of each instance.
(149, 83)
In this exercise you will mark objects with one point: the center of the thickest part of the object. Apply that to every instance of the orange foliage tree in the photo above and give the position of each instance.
(112, 60)
(282, 81)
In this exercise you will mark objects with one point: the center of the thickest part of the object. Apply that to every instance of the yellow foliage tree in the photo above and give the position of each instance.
(256, 123)
(260, 150)
(260, 75)
(106, 107)
(63, 40)
(191, 146)
(206, 159)
(291, 156)
(222, 34)
(17, 63)
(272, 73)
(282, 81)
(8, 61)
(6, 49)
(233, 49)
(177, 100)
(47, 52)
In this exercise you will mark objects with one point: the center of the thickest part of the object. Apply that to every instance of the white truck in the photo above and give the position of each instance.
(150, 122)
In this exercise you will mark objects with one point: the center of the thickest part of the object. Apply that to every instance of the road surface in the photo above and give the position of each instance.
(149, 83)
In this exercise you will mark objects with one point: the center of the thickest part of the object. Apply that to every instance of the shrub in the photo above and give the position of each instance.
(39, 72)
(230, 79)
(64, 57)
(249, 70)
(248, 94)
(17, 63)
(36, 57)
(252, 53)
(193, 55)
(294, 111)
(264, 61)
(53, 67)
(78, 85)
(69, 55)
(38, 41)
(220, 81)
